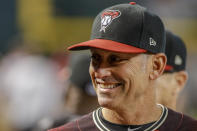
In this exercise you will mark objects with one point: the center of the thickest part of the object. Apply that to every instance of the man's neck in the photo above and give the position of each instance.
(170, 104)
(137, 115)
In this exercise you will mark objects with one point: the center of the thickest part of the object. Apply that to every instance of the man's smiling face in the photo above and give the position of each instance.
(118, 78)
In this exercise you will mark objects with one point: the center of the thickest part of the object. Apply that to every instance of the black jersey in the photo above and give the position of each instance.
(168, 121)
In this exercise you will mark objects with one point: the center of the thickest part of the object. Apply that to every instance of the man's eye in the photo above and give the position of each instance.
(114, 59)
(95, 57)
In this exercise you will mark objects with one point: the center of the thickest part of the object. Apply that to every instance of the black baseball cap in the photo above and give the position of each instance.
(126, 28)
(176, 53)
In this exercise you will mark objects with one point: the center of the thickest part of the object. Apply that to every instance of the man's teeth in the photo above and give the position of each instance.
(107, 86)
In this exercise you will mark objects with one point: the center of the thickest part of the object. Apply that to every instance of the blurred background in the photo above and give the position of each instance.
(36, 70)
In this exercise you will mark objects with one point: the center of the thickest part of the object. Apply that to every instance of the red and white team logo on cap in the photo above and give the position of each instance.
(107, 17)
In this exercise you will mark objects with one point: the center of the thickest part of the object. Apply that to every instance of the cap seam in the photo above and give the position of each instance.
(142, 27)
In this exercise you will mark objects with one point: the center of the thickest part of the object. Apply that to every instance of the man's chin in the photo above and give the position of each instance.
(107, 103)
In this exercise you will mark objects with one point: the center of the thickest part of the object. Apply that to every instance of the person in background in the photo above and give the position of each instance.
(175, 75)
(80, 95)
(33, 92)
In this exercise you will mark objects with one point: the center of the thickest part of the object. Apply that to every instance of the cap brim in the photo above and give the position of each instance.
(106, 45)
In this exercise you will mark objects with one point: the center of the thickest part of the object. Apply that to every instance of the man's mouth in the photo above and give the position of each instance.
(108, 86)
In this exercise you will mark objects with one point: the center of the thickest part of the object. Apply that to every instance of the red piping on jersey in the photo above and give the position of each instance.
(180, 122)
(78, 125)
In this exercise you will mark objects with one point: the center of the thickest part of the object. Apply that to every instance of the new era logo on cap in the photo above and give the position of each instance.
(152, 42)
(178, 60)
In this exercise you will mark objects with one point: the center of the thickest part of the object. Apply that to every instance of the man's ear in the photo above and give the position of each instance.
(158, 65)
(181, 78)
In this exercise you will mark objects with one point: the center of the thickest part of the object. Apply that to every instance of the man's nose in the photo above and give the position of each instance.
(102, 73)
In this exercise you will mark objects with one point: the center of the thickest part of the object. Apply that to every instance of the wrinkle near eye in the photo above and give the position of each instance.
(140, 64)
